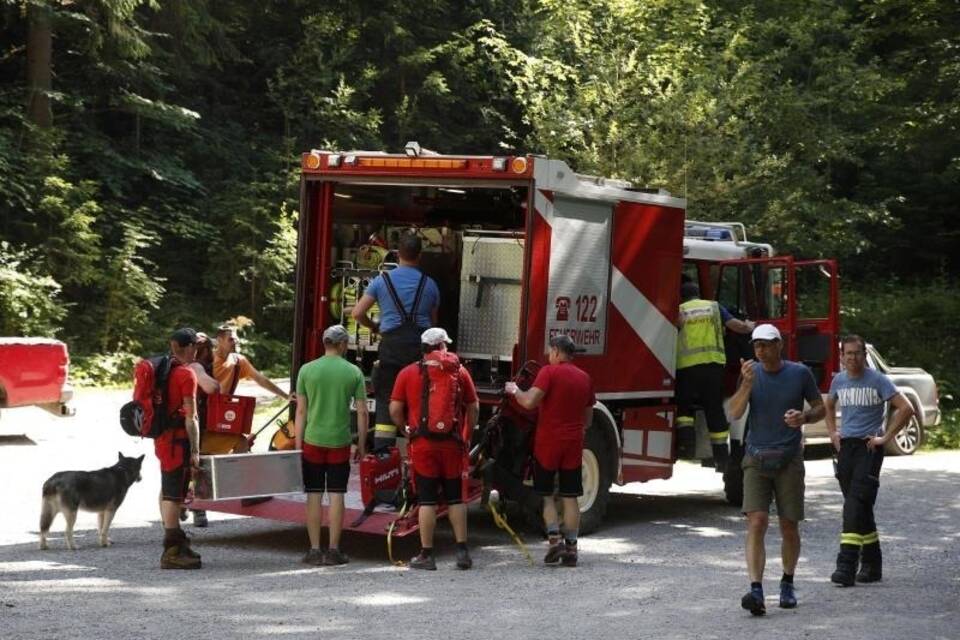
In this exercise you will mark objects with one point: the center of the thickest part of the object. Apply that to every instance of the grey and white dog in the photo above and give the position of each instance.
(99, 491)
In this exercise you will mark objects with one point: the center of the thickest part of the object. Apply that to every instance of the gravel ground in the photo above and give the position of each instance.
(668, 564)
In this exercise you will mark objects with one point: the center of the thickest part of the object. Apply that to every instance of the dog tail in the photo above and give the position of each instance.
(51, 487)
(47, 513)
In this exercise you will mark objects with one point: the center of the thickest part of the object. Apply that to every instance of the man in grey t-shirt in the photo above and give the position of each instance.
(861, 394)
(775, 390)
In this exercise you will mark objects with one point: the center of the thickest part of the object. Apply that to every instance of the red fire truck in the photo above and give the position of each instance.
(524, 248)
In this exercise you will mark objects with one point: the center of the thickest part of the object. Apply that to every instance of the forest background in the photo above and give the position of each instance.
(149, 149)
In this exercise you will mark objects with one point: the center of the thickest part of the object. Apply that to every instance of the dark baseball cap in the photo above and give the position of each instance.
(564, 343)
(184, 336)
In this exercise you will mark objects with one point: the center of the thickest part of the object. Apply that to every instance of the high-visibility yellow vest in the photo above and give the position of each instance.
(701, 334)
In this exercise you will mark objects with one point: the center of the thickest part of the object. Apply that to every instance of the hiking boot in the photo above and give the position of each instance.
(464, 561)
(335, 557)
(846, 569)
(753, 602)
(721, 457)
(568, 558)
(314, 557)
(421, 561)
(175, 558)
(871, 563)
(870, 572)
(554, 551)
(200, 519)
(788, 597)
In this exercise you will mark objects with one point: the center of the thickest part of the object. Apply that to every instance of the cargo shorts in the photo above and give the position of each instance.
(786, 485)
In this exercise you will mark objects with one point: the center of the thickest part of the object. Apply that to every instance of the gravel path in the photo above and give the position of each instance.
(668, 564)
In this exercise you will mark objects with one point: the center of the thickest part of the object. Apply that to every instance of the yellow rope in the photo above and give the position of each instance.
(502, 523)
(403, 512)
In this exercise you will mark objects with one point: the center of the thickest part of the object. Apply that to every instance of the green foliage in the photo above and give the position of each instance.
(29, 301)
(102, 369)
(947, 435)
(910, 326)
(165, 192)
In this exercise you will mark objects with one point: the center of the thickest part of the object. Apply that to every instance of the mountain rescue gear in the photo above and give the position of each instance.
(383, 480)
(493, 505)
(440, 405)
(148, 415)
(701, 334)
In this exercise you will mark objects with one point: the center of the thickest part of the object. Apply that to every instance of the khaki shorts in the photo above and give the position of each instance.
(786, 484)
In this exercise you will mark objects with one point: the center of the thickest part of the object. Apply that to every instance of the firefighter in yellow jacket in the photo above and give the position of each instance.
(700, 362)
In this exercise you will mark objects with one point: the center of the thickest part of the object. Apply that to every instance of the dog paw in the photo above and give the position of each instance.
(43, 545)
(106, 542)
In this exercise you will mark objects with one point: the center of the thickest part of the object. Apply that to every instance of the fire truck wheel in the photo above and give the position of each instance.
(597, 477)
(733, 476)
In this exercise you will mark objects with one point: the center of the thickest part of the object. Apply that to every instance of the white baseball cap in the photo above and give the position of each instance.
(336, 334)
(765, 332)
(434, 336)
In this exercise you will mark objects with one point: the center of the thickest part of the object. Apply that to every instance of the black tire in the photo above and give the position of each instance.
(598, 473)
(908, 440)
(733, 476)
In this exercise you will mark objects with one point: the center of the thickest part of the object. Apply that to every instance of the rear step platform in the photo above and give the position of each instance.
(293, 508)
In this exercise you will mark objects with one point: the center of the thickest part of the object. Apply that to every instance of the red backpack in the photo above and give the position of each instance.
(440, 404)
(148, 415)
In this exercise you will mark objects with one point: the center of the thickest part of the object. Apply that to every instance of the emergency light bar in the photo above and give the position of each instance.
(382, 163)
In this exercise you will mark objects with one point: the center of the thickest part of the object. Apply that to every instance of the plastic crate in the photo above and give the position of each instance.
(230, 414)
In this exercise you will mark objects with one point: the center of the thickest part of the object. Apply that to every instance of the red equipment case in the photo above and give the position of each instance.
(230, 414)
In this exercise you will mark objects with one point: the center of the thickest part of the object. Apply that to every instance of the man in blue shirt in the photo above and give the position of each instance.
(408, 301)
(862, 395)
(775, 390)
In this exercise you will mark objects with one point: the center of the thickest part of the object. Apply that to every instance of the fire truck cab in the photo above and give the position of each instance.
(523, 248)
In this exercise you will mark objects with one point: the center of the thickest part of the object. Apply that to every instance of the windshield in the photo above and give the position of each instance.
(880, 362)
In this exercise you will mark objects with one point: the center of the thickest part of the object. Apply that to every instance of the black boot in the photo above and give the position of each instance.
(871, 563)
(846, 568)
(686, 441)
(721, 456)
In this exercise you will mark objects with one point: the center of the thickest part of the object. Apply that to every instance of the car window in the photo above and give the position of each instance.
(875, 361)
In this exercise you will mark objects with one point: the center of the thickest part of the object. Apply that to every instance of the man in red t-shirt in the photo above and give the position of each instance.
(438, 462)
(178, 449)
(564, 394)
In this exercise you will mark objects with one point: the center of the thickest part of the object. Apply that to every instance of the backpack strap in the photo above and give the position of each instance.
(422, 428)
(416, 298)
(236, 377)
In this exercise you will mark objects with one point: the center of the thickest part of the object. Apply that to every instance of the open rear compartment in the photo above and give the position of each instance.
(473, 247)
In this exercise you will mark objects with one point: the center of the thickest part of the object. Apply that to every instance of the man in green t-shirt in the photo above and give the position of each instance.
(325, 387)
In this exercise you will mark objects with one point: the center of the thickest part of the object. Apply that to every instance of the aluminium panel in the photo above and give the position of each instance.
(247, 475)
(490, 296)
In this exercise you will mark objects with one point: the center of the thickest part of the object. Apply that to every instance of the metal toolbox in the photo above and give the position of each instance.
(248, 475)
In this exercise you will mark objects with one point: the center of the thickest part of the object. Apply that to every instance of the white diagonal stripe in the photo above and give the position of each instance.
(656, 331)
(544, 206)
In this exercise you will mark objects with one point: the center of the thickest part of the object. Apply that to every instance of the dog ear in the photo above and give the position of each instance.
(140, 459)
(120, 455)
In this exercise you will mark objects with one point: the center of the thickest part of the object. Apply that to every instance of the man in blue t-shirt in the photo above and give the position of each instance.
(862, 395)
(775, 391)
(408, 301)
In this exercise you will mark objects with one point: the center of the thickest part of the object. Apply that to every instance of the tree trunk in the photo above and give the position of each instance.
(39, 65)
